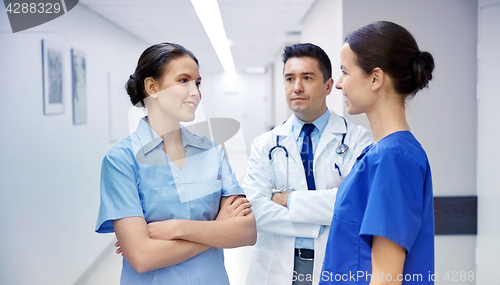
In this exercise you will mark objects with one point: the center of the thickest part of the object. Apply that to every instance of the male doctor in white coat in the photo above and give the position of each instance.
(293, 226)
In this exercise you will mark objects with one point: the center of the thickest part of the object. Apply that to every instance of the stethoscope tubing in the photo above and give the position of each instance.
(341, 149)
(275, 179)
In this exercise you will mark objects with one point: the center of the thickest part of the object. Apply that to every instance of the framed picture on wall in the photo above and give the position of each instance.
(52, 65)
(79, 86)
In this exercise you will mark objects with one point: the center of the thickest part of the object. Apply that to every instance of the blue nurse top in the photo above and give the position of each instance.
(388, 193)
(139, 180)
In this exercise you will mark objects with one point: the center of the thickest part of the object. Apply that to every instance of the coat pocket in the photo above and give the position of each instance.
(260, 267)
(347, 246)
(337, 173)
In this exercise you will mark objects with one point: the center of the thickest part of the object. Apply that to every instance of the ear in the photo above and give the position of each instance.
(151, 87)
(329, 86)
(377, 78)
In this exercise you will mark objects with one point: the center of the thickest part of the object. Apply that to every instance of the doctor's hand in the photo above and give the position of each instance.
(281, 198)
(233, 206)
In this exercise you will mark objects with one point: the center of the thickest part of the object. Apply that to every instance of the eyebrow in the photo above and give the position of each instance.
(343, 67)
(303, 73)
(187, 75)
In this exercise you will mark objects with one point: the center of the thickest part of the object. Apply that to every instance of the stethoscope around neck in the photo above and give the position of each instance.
(341, 149)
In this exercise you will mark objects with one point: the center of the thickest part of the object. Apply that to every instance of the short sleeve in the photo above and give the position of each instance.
(395, 200)
(230, 185)
(119, 191)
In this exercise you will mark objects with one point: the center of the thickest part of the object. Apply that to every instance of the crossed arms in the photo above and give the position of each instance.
(166, 243)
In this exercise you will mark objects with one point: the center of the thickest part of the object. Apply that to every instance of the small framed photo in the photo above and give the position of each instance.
(52, 64)
(79, 84)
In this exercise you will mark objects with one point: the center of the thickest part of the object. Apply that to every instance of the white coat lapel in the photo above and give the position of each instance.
(333, 130)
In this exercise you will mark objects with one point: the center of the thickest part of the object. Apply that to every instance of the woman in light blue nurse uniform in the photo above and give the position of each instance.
(170, 196)
(382, 230)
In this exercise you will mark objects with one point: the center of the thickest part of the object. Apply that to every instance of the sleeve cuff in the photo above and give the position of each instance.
(289, 199)
(105, 222)
(233, 189)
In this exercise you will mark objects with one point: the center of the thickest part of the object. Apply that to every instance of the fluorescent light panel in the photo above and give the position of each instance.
(209, 14)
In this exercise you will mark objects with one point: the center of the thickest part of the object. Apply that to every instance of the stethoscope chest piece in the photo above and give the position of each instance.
(342, 148)
(282, 187)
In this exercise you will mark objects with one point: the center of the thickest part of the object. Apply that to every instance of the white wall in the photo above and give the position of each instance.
(281, 112)
(488, 174)
(322, 26)
(50, 168)
(240, 96)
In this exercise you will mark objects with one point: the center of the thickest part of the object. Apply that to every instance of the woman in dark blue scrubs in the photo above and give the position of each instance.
(382, 230)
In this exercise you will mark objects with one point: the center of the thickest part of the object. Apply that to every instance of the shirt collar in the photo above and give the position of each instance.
(320, 123)
(188, 138)
(150, 139)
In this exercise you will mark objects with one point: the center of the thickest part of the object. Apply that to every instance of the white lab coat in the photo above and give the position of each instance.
(277, 226)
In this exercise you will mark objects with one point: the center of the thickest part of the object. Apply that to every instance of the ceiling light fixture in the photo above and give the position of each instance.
(210, 17)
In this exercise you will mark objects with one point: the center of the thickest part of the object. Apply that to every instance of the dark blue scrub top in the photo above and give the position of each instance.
(388, 193)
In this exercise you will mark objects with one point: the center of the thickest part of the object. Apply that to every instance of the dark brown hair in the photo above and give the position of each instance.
(393, 49)
(152, 63)
(313, 51)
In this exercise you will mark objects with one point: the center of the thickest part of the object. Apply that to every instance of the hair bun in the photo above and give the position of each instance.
(422, 69)
(131, 87)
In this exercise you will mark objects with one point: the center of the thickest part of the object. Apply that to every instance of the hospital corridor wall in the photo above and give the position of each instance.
(50, 168)
(488, 155)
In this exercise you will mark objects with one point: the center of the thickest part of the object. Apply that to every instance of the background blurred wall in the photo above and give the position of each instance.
(488, 135)
(49, 168)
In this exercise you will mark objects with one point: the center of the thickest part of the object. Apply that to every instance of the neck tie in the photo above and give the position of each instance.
(307, 155)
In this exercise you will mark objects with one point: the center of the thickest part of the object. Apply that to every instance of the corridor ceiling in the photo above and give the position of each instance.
(256, 29)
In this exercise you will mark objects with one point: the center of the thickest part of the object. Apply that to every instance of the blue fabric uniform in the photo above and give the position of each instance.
(388, 193)
(139, 180)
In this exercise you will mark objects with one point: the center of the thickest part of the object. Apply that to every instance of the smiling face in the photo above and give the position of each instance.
(305, 88)
(354, 83)
(179, 94)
